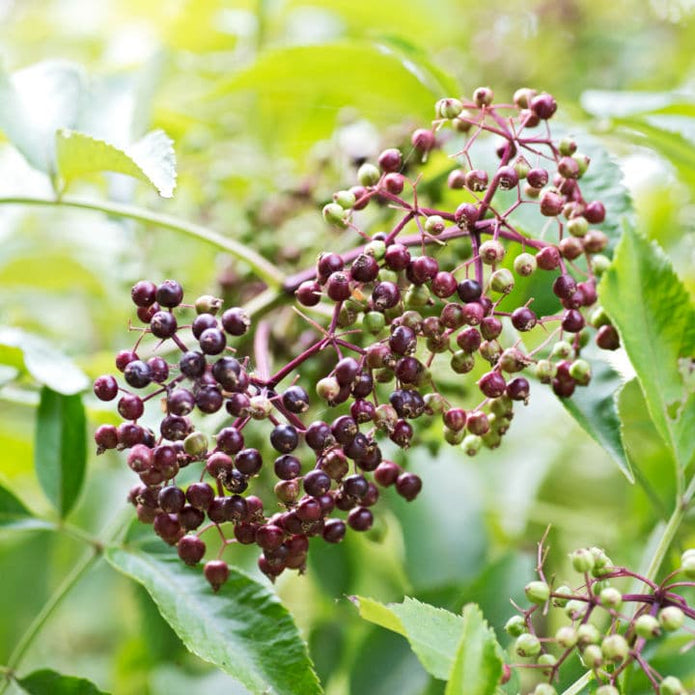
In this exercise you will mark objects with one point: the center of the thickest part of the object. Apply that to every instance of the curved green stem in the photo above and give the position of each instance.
(263, 268)
(37, 624)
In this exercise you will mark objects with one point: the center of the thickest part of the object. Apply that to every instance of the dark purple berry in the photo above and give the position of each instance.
(316, 483)
(106, 437)
(548, 258)
(573, 321)
(364, 268)
(338, 287)
(230, 440)
(390, 160)
(334, 531)
(408, 486)
(455, 419)
(362, 411)
(171, 499)
(209, 400)
(296, 399)
(355, 486)
(564, 286)
(248, 461)
(191, 549)
(308, 293)
(397, 257)
(476, 180)
(327, 264)
(140, 459)
(217, 573)
(595, 212)
(124, 358)
(284, 438)
(175, 428)
(518, 389)
(309, 509)
(130, 434)
(163, 324)
(346, 370)
(422, 269)
(403, 340)
(344, 429)
(537, 178)
(105, 388)
(180, 402)
(192, 364)
(202, 323)
(212, 341)
(159, 369)
(287, 467)
(385, 295)
(137, 374)
(143, 293)
(168, 528)
(402, 434)
(227, 372)
(473, 313)
(469, 340)
(200, 495)
(191, 518)
(386, 473)
(607, 338)
(130, 407)
(478, 422)
(360, 519)
(169, 294)
(492, 384)
(235, 321)
(318, 436)
(544, 106)
(444, 284)
(523, 319)
(269, 536)
(363, 385)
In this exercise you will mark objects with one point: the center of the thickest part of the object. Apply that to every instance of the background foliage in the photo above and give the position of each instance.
(264, 102)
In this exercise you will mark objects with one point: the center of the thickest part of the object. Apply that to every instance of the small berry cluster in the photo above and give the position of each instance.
(435, 291)
(608, 629)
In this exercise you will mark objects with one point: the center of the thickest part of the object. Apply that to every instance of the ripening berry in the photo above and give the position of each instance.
(448, 108)
(671, 685)
(615, 648)
(527, 645)
(537, 592)
(491, 252)
(671, 618)
(191, 549)
(217, 573)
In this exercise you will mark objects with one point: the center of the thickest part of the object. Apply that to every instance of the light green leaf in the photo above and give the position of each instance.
(60, 448)
(595, 409)
(433, 633)
(48, 682)
(655, 318)
(619, 104)
(478, 664)
(151, 159)
(14, 515)
(37, 101)
(37, 356)
(295, 95)
(243, 629)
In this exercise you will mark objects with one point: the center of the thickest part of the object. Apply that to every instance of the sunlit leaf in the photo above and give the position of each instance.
(38, 357)
(151, 159)
(243, 629)
(60, 448)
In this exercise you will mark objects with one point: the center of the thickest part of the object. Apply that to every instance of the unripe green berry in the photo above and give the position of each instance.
(435, 403)
(615, 648)
(527, 645)
(448, 108)
(582, 560)
(195, 444)
(562, 350)
(602, 563)
(471, 444)
(611, 598)
(490, 350)
(515, 626)
(502, 281)
(525, 264)
(386, 275)
(546, 659)
(462, 362)
(491, 252)
(583, 162)
(561, 592)
(671, 618)
(688, 563)
(327, 388)
(417, 296)
(435, 225)
(207, 304)
(492, 439)
(587, 634)
(368, 174)
(544, 689)
(566, 637)
(600, 264)
(577, 226)
(334, 214)
(545, 371)
(592, 657)
(647, 626)
(575, 609)
(376, 249)
(599, 317)
(453, 436)
(607, 690)
(502, 406)
(522, 167)
(672, 686)
(260, 407)
(374, 322)
(346, 199)
(580, 371)
(537, 592)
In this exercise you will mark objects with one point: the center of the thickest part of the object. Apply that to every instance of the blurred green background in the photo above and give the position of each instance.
(266, 102)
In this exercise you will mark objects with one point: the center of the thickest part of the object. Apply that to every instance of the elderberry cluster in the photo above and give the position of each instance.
(608, 629)
(410, 309)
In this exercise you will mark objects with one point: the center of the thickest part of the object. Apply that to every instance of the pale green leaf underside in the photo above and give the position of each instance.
(243, 629)
(151, 159)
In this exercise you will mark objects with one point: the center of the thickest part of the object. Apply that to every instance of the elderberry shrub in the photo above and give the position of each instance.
(432, 295)
(611, 632)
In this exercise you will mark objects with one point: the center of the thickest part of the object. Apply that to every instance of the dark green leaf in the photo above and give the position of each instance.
(652, 311)
(478, 664)
(150, 159)
(14, 515)
(60, 448)
(595, 409)
(45, 364)
(243, 629)
(434, 633)
(48, 682)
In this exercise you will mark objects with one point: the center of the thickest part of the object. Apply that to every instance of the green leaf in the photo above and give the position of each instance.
(655, 318)
(151, 159)
(433, 633)
(37, 101)
(595, 408)
(243, 629)
(38, 357)
(14, 515)
(311, 85)
(60, 448)
(48, 682)
(478, 664)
